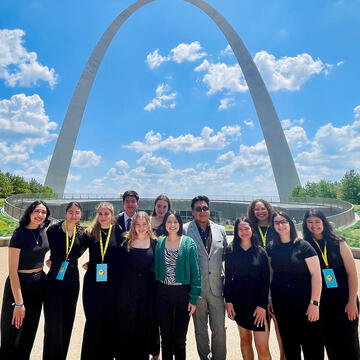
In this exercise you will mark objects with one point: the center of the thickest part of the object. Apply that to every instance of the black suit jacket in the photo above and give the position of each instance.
(121, 221)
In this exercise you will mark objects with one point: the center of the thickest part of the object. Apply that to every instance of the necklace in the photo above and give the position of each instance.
(35, 238)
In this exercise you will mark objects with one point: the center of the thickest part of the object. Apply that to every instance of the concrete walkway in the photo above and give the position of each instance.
(233, 345)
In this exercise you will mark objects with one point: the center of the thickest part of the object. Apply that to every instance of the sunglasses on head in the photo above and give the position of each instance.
(201, 208)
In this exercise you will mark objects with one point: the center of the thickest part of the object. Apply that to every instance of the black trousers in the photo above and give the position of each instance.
(172, 310)
(100, 333)
(59, 311)
(16, 344)
(297, 333)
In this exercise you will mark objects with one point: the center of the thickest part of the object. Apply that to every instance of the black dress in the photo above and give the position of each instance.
(247, 279)
(61, 295)
(136, 301)
(291, 295)
(339, 333)
(99, 300)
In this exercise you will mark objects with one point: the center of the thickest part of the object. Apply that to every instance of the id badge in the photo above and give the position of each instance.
(62, 270)
(330, 278)
(101, 272)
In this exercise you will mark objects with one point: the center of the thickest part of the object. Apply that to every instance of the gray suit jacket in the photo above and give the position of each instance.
(211, 265)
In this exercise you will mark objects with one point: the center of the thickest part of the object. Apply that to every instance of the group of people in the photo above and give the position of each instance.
(147, 275)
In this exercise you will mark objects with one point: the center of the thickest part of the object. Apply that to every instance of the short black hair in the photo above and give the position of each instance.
(129, 193)
(73, 203)
(199, 198)
(25, 219)
(178, 218)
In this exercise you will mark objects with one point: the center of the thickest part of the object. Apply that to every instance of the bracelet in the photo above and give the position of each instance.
(17, 305)
(315, 302)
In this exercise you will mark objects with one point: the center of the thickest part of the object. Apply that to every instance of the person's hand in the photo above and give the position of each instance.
(85, 266)
(191, 309)
(312, 312)
(18, 316)
(48, 263)
(352, 310)
(260, 316)
(230, 310)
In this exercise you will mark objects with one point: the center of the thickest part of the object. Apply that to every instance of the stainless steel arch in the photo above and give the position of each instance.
(285, 173)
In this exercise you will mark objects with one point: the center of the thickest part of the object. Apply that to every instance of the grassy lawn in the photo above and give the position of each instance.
(352, 234)
(7, 226)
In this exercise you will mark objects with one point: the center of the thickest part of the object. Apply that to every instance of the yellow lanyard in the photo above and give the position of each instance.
(102, 250)
(67, 241)
(323, 254)
(263, 237)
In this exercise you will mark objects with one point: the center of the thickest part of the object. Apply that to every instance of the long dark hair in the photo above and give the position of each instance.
(178, 218)
(237, 240)
(251, 214)
(293, 232)
(329, 233)
(161, 197)
(25, 219)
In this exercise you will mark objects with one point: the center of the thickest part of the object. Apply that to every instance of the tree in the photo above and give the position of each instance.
(311, 189)
(349, 189)
(6, 188)
(35, 187)
(327, 189)
(298, 191)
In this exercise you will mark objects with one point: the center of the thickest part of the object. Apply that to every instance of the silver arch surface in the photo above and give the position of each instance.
(282, 163)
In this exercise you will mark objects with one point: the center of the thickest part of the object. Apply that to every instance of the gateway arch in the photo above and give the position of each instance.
(286, 176)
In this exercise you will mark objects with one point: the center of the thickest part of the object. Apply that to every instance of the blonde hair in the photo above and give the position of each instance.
(131, 235)
(94, 229)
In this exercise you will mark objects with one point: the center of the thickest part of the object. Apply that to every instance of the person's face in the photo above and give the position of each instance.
(244, 230)
(73, 214)
(141, 226)
(130, 205)
(261, 212)
(161, 208)
(38, 215)
(105, 216)
(281, 225)
(172, 225)
(315, 226)
(201, 212)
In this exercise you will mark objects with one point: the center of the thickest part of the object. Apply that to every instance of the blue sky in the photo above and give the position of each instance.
(170, 110)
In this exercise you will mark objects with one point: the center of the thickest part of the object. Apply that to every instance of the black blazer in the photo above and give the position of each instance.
(121, 221)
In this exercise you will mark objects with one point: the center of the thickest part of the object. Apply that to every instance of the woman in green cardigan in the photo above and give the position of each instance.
(177, 270)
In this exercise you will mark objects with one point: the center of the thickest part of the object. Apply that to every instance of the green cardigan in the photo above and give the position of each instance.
(187, 269)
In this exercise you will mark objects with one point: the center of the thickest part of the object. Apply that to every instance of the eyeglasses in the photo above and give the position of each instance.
(39, 212)
(201, 208)
(282, 222)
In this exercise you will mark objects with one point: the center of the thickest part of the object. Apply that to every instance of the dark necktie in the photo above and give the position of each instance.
(128, 224)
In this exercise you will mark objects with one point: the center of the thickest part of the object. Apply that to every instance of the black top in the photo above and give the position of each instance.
(33, 245)
(57, 243)
(247, 275)
(339, 295)
(291, 281)
(269, 234)
(111, 255)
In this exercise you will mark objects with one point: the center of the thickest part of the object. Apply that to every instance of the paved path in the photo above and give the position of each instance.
(233, 344)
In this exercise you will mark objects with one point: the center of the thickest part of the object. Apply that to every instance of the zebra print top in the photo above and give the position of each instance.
(171, 256)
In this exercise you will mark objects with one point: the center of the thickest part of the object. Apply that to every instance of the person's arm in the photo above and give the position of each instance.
(19, 311)
(313, 265)
(227, 288)
(351, 307)
(195, 278)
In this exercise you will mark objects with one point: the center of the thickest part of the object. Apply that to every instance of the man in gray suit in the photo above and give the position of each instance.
(210, 239)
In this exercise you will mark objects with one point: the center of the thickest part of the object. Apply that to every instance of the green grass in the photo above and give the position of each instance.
(7, 225)
(352, 234)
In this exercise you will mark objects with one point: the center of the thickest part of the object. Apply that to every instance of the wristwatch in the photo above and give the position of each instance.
(314, 302)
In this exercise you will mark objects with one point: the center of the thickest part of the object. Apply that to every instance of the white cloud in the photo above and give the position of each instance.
(84, 159)
(227, 51)
(18, 67)
(226, 103)
(72, 177)
(287, 73)
(286, 123)
(221, 77)
(357, 112)
(183, 52)
(164, 98)
(208, 140)
(24, 125)
(249, 123)
(296, 137)
(154, 59)
(122, 164)
(153, 164)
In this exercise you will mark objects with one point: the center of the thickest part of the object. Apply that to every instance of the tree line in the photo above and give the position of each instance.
(348, 188)
(12, 184)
